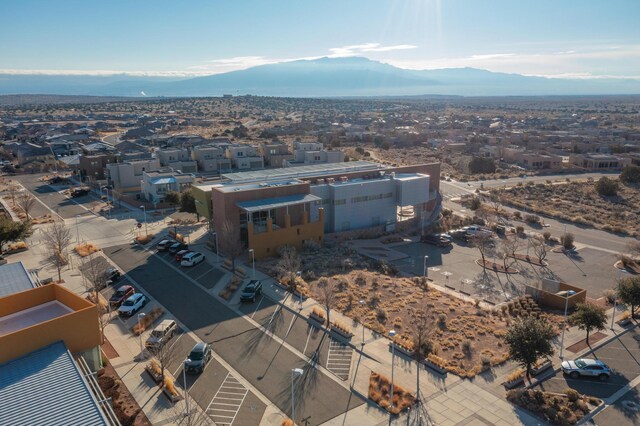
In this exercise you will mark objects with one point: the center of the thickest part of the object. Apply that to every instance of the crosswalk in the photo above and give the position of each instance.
(339, 359)
(226, 403)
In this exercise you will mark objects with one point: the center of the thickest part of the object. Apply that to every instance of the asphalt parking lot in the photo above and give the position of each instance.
(625, 411)
(622, 355)
(204, 273)
(262, 360)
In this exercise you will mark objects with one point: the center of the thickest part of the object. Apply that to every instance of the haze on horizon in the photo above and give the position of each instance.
(586, 39)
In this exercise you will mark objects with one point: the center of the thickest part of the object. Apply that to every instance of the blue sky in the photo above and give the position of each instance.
(553, 38)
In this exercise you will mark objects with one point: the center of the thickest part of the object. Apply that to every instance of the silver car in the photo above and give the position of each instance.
(586, 367)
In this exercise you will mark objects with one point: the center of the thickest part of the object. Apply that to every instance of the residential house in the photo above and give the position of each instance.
(155, 185)
(210, 158)
(275, 153)
(126, 177)
(244, 157)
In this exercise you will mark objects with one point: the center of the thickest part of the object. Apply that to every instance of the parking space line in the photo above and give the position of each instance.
(230, 387)
(203, 274)
(339, 359)
(257, 307)
(304, 351)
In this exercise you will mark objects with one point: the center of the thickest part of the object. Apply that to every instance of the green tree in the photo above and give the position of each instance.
(11, 231)
(529, 339)
(629, 292)
(482, 165)
(188, 203)
(172, 197)
(589, 317)
(607, 187)
(630, 174)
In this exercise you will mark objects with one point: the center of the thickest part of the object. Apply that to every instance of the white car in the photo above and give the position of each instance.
(191, 259)
(132, 305)
(476, 229)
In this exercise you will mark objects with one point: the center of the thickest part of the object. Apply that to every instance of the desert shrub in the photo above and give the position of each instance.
(381, 315)
(546, 235)
(609, 295)
(517, 215)
(532, 218)
(572, 394)
(607, 187)
(520, 229)
(467, 347)
(567, 241)
(442, 320)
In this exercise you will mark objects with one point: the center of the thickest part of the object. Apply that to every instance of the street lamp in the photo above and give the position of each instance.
(425, 270)
(253, 262)
(106, 190)
(392, 334)
(362, 303)
(144, 210)
(186, 391)
(294, 372)
(140, 316)
(77, 231)
(615, 299)
(566, 295)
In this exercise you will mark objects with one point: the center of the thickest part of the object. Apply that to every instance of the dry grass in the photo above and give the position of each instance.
(232, 286)
(578, 202)
(86, 249)
(20, 245)
(379, 389)
(558, 409)
(144, 239)
(147, 320)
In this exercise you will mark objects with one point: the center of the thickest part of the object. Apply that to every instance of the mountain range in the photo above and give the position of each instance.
(324, 77)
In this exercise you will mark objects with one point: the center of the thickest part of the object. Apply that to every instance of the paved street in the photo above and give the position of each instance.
(263, 361)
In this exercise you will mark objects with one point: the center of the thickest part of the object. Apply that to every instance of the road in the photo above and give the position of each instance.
(262, 360)
(584, 235)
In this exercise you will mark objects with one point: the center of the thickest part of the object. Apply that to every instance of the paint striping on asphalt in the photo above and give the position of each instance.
(339, 359)
(227, 401)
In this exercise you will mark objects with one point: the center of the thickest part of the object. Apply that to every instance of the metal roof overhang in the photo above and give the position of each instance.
(274, 203)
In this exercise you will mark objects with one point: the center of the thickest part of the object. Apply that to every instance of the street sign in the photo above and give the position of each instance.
(139, 225)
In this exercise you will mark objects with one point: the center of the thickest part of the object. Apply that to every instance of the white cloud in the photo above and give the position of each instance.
(359, 49)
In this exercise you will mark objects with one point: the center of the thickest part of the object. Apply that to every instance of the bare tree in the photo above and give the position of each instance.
(539, 248)
(327, 295)
(165, 354)
(483, 241)
(196, 416)
(508, 248)
(56, 238)
(26, 202)
(289, 264)
(420, 334)
(231, 242)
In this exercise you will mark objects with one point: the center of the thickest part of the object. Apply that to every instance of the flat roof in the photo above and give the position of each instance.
(45, 387)
(32, 316)
(14, 278)
(303, 171)
(245, 186)
(274, 203)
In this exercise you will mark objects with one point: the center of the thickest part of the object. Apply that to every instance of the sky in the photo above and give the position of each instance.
(559, 38)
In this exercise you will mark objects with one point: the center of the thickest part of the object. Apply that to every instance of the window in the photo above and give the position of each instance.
(339, 202)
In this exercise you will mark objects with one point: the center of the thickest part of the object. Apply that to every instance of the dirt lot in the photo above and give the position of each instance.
(579, 203)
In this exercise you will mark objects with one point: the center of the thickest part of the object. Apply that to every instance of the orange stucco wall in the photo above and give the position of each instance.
(79, 330)
(267, 243)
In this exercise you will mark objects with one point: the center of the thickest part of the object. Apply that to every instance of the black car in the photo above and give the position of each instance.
(436, 240)
(79, 192)
(111, 275)
(176, 247)
(250, 291)
(198, 358)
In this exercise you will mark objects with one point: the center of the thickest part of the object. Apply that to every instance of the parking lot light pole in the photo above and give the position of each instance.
(615, 298)
(77, 231)
(425, 269)
(392, 334)
(294, 372)
(144, 210)
(362, 303)
(186, 391)
(567, 294)
(253, 262)
(140, 316)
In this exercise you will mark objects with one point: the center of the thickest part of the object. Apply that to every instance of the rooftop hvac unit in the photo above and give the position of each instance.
(343, 179)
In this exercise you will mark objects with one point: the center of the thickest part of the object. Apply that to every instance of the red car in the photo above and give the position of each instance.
(121, 295)
(180, 254)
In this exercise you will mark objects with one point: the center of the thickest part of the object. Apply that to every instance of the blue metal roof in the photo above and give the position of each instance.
(274, 203)
(14, 278)
(46, 388)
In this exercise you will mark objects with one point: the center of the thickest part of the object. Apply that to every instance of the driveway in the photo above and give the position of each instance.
(262, 360)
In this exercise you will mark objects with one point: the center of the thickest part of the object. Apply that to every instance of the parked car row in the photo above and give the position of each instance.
(182, 253)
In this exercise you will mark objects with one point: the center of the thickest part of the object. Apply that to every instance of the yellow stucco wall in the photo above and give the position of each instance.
(266, 244)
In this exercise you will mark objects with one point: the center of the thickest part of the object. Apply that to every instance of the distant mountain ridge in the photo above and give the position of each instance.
(324, 77)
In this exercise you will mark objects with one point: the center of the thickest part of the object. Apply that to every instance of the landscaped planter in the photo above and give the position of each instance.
(173, 398)
(434, 367)
(403, 350)
(514, 383)
(540, 368)
(156, 377)
(316, 319)
(347, 335)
